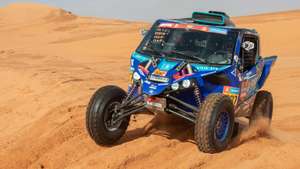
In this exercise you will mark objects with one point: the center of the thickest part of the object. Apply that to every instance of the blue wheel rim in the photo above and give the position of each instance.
(222, 126)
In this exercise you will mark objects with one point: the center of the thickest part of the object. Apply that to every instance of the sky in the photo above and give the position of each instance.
(150, 10)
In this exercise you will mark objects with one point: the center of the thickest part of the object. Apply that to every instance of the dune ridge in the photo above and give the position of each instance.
(51, 61)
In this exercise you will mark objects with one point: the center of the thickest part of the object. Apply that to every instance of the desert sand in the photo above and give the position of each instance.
(51, 61)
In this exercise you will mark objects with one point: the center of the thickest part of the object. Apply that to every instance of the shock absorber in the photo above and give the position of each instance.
(132, 90)
(189, 69)
(197, 95)
(148, 64)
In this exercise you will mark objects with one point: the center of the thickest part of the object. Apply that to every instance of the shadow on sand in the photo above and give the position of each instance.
(172, 127)
(165, 125)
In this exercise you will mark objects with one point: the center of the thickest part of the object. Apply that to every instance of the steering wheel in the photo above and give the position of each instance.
(219, 53)
(209, 51)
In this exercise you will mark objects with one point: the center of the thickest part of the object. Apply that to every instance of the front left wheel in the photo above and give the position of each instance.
(100, 115)
(215, 124)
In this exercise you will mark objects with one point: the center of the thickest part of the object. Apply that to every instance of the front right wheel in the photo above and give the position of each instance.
(215, 123)
(100, 115)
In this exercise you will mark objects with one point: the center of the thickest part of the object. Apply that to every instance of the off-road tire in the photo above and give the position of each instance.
(235, 129)
(206, 121)
(262, 108)
(96, 112)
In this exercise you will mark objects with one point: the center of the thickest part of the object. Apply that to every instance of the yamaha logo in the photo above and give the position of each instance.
(154, 62)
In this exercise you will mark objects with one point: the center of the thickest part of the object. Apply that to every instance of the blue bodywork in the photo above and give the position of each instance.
(242, 86)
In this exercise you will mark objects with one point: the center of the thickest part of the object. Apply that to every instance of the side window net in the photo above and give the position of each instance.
(249, 52)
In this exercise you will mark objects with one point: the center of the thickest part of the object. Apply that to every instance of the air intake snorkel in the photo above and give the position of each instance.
(212, 18)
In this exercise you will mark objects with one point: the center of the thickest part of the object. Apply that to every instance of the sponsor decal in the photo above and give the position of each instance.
(201, 28)
(165, 65)
(247, 45)
(153, 87)
(244, 89)
(200, 67)
(248, 86)
(193, 27)
(139, 57)
(184, 26)
(163, 84)
(159, 79)
(249, 75)
(131, 62)
(159, 72)
(218, 30)
(232, 92)
(167, 25)
(156, 103)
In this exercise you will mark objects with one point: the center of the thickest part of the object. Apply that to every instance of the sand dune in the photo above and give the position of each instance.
(51, 61)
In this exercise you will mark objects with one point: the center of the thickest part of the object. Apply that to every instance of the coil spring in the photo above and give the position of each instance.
(197, 95)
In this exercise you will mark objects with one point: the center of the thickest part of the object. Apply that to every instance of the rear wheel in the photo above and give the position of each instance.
(100, 115)
(215, 123)
(262, 108)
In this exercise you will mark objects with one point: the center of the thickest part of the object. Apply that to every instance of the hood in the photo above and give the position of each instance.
(160, 73)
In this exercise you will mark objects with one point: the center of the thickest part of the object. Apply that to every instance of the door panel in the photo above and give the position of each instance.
(250, 79)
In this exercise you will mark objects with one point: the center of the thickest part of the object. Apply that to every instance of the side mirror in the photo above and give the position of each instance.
(144, 32)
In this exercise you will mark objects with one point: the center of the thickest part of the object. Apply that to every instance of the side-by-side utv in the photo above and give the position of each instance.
(202, 69)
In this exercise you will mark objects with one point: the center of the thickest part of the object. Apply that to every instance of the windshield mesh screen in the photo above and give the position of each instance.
(189, 44)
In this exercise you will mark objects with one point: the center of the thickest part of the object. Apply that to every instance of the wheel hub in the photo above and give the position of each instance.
(222, 126)
(113, 113)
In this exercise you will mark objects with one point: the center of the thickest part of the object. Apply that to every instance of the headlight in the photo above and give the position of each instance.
(186, 83)
(136, 76)
(175, 86)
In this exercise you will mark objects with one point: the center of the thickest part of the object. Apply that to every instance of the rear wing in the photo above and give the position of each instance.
(268, 63)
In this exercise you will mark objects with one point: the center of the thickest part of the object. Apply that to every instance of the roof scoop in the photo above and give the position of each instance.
(212, 18)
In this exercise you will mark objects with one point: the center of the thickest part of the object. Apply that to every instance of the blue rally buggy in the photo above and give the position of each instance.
(202, 69)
